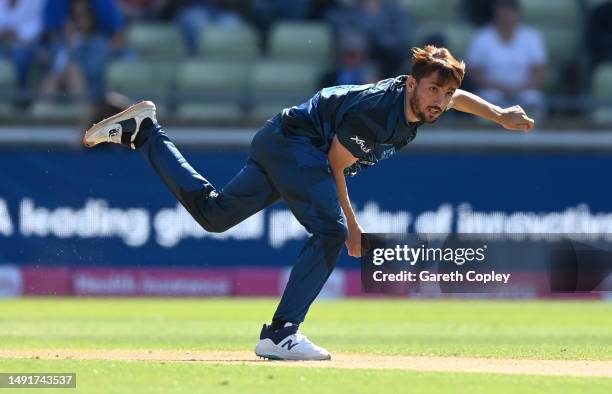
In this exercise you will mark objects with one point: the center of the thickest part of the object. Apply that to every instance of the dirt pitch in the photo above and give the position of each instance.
(340, 360)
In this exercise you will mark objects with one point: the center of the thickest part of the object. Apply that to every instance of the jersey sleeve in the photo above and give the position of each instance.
(361, 143)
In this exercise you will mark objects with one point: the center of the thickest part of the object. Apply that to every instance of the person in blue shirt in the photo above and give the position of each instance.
(303, 155)
(85, 34)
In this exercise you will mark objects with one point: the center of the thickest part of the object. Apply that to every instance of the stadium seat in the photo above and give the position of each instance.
(200, 76)
(7, 86)
(156, 40)
(210, 112)
(141, 79)
(602, 90)
(59, 111)
(6, 109)
(304, 41)
(275, 85)
(7, 76)
(558, 12)
(225, 43)
(593, 3)
(264, 111)
(429, 11)
(211, 90)
(561, 43)
(284, 77)
(554, 81)
(458, 36)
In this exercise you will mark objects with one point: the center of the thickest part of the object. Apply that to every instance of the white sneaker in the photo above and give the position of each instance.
(121, 128)
(288, 343)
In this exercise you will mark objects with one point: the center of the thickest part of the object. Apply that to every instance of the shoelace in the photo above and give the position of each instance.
(301, 338)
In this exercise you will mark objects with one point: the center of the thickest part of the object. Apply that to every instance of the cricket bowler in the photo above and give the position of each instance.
(302, 156)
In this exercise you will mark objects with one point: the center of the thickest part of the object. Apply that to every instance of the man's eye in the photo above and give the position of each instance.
(450, 94)
(433, 89)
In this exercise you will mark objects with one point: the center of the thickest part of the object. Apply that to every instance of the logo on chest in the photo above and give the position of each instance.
(361, 144)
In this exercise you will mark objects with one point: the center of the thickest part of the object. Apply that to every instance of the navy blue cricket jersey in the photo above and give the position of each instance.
(368, 120)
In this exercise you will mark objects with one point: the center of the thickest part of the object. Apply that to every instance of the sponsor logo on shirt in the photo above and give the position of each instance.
(361, 144)
(387, 152)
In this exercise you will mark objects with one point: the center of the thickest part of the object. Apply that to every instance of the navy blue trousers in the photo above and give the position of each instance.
(278, 166)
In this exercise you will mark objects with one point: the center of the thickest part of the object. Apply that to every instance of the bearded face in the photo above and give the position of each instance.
(431, 97)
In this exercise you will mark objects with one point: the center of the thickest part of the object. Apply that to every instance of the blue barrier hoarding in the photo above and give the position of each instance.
(107, 207)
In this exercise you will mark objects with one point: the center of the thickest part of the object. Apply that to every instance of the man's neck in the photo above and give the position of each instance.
(408, 112)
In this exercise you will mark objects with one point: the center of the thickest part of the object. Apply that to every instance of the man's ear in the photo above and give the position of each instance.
(411, 83)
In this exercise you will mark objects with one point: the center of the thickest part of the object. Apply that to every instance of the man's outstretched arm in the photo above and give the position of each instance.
(340, 158)
(512, 118)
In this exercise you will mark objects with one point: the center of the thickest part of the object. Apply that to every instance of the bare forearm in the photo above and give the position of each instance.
(470, 103)
(343, 197)
(512, 118)
(339, 159)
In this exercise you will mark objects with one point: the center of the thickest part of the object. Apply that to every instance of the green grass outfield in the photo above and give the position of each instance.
(550, 330)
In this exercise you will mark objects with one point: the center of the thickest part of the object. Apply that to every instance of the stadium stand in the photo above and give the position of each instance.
(456, 35)
(602, 90)
(155, 40)
(140, 79)
(301, 41)
(432, 10)
(298, 51)
(274, 85)
(558, 12)
(7, 86)
(58, 111)
(211, 90)
(221, 43)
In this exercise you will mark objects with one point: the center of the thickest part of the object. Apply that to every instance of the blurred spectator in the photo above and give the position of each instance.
(83, 34)
(353, 66)
(111, 103)
(436, 39)
(194, 15)
(64, 76)
(386, 25)
(141, 9)
(507, 60)
(21, 23)
(478, 12)
(599, 33)
(267, 12)
(319, 8)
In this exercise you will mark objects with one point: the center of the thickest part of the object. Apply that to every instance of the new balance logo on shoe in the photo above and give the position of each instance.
(113, 132)
(282, 344)
(290, 344)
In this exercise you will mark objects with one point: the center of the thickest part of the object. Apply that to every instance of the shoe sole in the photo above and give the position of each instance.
(266, 349)
(143, 105)
(276, 358)
(271, 358)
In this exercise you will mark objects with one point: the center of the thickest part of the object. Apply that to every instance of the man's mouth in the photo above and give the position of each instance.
(434, 111)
